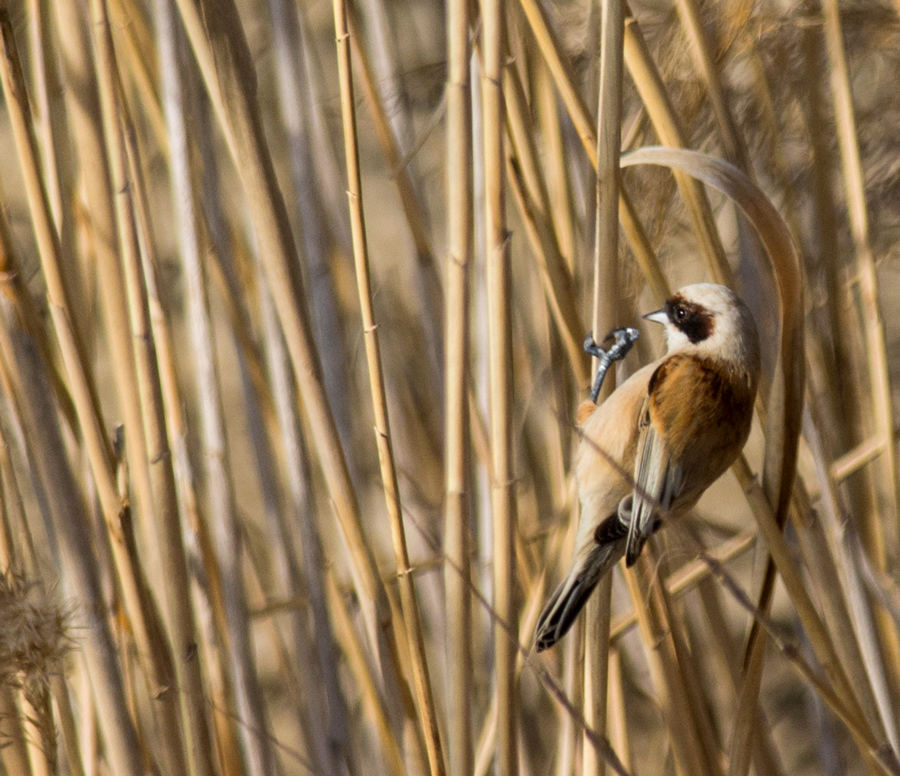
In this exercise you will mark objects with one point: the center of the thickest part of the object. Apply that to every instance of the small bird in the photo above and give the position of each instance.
(660, 440)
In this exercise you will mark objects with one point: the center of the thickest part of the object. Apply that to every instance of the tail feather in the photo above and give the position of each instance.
(570, 597)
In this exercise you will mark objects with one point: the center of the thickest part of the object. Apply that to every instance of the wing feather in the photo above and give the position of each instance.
(657, 478)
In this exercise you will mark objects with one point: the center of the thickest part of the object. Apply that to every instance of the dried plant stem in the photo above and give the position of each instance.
(456, 394)
(224, 529)
(529, 187)
(84, 115)
(559, 191)
(503, 506)
(587, 132)
(400, 174)
(605, 317)
(140, 609)
(219, 44)
(172, 556)
(26, 376)
(665, 668)
(299, 109)
(662, 114)
(857, 210)
(409, 603)
(365, 681)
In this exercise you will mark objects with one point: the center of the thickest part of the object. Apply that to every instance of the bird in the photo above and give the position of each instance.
(659, 441)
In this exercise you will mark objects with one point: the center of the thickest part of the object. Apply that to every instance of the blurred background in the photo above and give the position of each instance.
(218, 556)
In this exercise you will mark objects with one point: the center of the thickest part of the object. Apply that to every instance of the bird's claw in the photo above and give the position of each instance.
(623, 338)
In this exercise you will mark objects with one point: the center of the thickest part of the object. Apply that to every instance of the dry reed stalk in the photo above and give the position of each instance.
(220, 47)
(878, 758)
(298, 113)
(207, 599)
(409, 603)
(864, 626)
(176, 592)
(882, 419)
(688, 577)
(617, 723)
(557, 170)
(50, 127)
(26, 377)
(533, 201)
(139, 56)
(665, 669)
(82, 102)
(487, 740)
(604, 318)
(870, 310)
(255, 738)
(413, 206)
(581, 117)
(365, 679)
(67, 723)
(340, 757)
(457, 596)
(497, 267)
(665, 121)
(134, 586)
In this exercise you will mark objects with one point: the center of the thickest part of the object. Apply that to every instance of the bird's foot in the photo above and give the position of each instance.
(623, 339)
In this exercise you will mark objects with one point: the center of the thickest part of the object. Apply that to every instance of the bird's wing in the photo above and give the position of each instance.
(657, 477)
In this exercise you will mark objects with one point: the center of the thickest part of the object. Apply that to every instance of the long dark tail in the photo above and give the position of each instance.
(571, 596)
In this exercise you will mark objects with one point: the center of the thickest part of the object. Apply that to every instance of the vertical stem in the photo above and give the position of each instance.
(176, 592)
(409, 604)
(248, 695)
(493, 15)
(457, 572)
(604, 319)
(857, 210)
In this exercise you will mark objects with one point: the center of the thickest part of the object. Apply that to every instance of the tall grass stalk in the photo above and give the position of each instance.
(410, 606)
(458, 498)
(499, 305)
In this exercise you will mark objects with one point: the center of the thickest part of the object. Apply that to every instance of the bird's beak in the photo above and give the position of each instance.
(658, 317)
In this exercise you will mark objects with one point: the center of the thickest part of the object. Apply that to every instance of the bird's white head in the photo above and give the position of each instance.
(712, 321)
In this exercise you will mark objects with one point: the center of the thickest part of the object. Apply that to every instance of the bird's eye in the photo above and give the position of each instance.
(680, 313)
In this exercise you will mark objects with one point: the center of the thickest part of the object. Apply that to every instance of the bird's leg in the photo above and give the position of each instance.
(624, 339)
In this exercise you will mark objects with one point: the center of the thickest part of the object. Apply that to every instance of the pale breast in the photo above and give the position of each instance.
(604, 463)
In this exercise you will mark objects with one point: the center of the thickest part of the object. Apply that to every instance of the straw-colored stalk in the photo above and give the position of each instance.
(176, 595)
(82, 102)
(409, 603)
(526, 178)
(298, 110)
(25, 376)
(493, 16)
(372, 701)
(433, 307)
(558, 188)
(605, 318)
(857, 211)
(139, 606)
(224, 529)
(457, 571)
(665, 121)
(581, 117)
(870, 310)
(875, 689)
(219, 44)
(207, 600)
